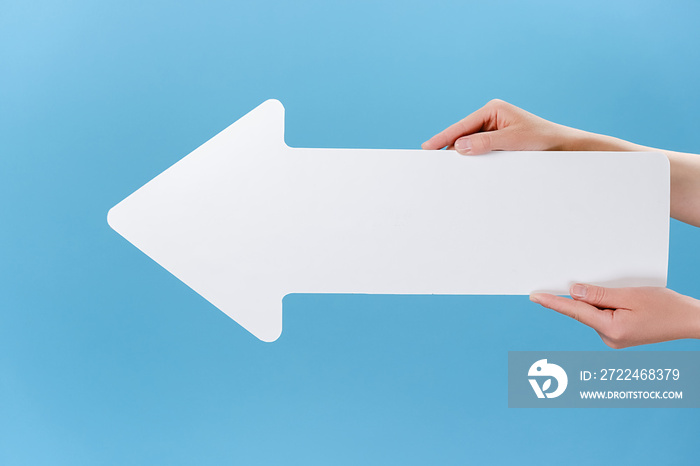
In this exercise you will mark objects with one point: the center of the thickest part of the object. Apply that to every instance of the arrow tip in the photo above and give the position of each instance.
(111, 220)
(157, 218)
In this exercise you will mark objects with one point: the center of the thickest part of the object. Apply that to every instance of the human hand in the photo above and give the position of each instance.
(629, 316)
(502, 126)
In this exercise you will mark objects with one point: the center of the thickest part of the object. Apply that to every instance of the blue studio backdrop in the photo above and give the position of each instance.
(105, 358)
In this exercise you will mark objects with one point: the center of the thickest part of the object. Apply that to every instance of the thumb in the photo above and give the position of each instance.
(611, 298)
(484, 142)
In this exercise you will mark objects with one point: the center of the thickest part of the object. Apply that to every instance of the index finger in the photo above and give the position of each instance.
(583, 312)
(468, 125)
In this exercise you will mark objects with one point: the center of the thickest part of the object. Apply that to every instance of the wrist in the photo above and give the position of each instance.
(694, 319)
(579, 140)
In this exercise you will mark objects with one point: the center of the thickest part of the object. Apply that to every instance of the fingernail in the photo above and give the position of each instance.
(463, 145)
(534, 299)
(579, 291)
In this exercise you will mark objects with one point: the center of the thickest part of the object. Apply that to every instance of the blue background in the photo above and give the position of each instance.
(105, 358)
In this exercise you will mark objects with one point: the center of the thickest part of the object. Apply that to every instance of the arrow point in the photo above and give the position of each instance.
(112, 219)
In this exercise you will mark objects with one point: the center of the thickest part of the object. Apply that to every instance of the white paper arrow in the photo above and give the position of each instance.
(245, 219)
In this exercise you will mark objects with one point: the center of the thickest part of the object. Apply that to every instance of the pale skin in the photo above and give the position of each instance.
(622, 316)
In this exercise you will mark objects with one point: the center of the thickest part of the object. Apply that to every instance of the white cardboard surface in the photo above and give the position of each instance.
(245, 219)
